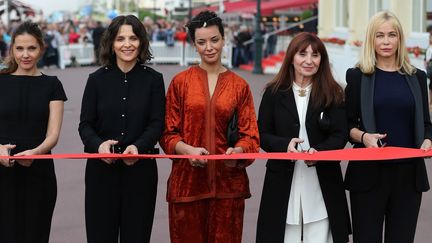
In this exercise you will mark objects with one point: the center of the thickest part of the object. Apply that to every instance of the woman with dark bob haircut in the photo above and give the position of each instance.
(206, 198)
(302, 110)
(122, 111)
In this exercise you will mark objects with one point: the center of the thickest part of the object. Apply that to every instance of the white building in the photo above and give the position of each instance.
(350, 19)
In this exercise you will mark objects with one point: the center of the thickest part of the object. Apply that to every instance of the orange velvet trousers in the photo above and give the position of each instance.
(207, 221)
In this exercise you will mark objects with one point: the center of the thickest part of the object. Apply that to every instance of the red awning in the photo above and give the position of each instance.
(249, 6)
(268, 7)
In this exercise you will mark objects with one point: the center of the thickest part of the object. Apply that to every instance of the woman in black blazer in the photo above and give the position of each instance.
(387, 103)
(302, 111)
(122, 111)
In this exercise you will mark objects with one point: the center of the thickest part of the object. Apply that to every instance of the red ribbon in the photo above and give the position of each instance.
(385, 153)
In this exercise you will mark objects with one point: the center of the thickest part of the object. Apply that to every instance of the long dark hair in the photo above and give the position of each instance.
(326, 90)
(24, 28)
(107, 55)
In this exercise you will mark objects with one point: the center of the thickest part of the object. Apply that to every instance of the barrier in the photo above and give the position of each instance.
(167, 54)
(82, 54)
(180, 54)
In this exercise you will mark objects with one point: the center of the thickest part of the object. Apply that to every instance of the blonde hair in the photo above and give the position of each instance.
(368, 58)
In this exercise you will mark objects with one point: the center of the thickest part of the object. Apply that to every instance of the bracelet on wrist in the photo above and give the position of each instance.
(362, 137)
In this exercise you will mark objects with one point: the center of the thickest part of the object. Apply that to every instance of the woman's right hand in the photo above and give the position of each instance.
(186, 149)
(105, 148)
(5, 151)
(292, 146)
(370, 140)
(197, 151)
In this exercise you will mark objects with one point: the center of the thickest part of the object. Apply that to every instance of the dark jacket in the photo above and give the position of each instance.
(128, 107)
(278, 123)
(360, 112)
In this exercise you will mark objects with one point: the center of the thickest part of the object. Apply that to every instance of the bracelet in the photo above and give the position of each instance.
(362, 137)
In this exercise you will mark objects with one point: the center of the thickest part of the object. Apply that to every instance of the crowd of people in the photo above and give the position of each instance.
(169, 32)
(209, 109)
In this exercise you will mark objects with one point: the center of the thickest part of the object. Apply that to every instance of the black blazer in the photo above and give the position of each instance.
(278, 123)
(128, 107)
(360, 113)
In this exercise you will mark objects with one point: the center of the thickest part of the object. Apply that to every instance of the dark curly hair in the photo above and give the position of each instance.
(107, 55)
(25, 28)
(204, 19)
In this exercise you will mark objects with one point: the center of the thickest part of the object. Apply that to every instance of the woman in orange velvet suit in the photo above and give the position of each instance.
(206, 197)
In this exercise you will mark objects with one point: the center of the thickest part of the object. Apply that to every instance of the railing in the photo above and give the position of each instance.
(282, 45)
(82, 54)
(181, 54)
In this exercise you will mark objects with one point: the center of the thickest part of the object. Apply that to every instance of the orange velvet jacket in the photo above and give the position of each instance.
(200, 121)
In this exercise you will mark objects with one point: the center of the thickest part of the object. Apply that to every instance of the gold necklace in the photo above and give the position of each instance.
(302, 92)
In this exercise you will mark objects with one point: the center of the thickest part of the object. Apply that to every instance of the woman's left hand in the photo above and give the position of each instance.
(311, 162)
(131, 149)
(232, 162)
(426, 145)
(26, 162)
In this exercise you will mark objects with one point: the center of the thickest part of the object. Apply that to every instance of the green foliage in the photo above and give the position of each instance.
(306, 14)
(144, 12)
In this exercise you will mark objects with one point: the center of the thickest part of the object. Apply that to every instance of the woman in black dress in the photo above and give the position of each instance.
(122, 111)
(31, 113)
(387, 102)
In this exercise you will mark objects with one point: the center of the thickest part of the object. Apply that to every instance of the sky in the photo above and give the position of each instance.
(48, 6)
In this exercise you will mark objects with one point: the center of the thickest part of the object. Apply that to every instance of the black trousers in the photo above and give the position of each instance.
(393, 202)
(120, 201)
(27, 200)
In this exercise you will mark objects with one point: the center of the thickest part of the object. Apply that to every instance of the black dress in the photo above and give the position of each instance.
(128, 107)
(27, 194)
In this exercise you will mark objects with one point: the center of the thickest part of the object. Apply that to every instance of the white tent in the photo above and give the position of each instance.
(15, 10)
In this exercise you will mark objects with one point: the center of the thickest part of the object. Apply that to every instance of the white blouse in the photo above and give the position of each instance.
(306, 203)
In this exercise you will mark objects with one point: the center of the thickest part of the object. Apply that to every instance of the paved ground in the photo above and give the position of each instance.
(68, 222)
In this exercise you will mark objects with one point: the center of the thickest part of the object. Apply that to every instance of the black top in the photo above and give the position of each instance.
(394, 108)
(359, 100)
(128, 107)
(24, 108)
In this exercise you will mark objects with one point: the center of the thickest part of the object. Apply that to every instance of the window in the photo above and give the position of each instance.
(375, 6)
(418, 16)
(342, 13)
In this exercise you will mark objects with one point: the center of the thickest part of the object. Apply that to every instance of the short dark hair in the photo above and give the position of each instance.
(25, 28)
(107, 55)
(204, 19)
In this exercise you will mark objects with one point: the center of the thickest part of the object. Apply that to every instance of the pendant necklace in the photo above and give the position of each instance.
(302, 92)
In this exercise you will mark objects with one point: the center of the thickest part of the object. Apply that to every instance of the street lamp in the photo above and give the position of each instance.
(190, 10)
(154, 11)
(258, 40)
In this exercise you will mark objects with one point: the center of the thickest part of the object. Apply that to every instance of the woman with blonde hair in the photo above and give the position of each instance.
(387, 103)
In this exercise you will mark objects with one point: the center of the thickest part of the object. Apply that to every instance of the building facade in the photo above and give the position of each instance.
(350, 19)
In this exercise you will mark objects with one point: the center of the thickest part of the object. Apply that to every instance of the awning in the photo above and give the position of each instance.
(268, 7)
(248, 6)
